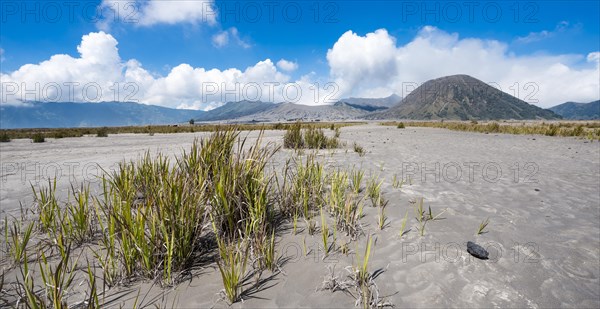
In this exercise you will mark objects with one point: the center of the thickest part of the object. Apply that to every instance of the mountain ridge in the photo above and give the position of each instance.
(236, 109)
(578, 111)
(299, 112)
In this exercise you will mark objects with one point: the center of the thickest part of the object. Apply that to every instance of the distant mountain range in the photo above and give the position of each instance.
(232, 110)
(68, 114)
(461, 97)
(457, 97)
(64, 115)
(373, 104)
(578, 111)
(248, 111)
(296, 112)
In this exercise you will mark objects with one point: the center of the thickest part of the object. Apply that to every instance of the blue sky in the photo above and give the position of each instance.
(367, 48)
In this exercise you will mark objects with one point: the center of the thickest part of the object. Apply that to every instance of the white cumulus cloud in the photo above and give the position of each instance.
(362, 64)
(99, 74)
(152, 12)
(223, 38)
(593, 57)
(220, 39)
(288, 66)
(544, 34)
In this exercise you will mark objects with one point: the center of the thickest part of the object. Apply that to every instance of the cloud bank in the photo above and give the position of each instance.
(99, 74)
(373, 65)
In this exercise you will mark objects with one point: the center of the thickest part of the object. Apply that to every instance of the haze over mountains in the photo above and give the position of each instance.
(373, 104)
(68, 114)
(457, 97)
(345, 109)
(578, 111)
(65, 115)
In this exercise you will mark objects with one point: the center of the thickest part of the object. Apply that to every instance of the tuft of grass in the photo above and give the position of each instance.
(60, 134)
(17, 240)
(293, 137)
(419, 212)
(356, 176)
(430, 215)
(324, 234)
(295, 222)
(78, 220)
(348, 219)
(381, 217)
(423, 216)
(315, 139)
(361, 268)
(268, 253)
(337, 191)
(374, 189)
(301, 187)
(311, 137)
(102, 132)
(397, 184)
(482, 226)
(403, 225)
(57, 281)
(4, 138)
(421, 227)
(46, 205)
(30, 299)
(400, 125)
(359, 149)
(92, 300)
(38, 138)
(232, 266)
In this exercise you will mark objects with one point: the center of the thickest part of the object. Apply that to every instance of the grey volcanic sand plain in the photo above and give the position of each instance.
(541, 194)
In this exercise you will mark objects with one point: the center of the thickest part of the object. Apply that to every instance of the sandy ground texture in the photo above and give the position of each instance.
(541, 194)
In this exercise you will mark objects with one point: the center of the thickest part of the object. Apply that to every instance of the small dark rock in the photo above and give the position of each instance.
(537, 190)
(477, 250)
(533, 139)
